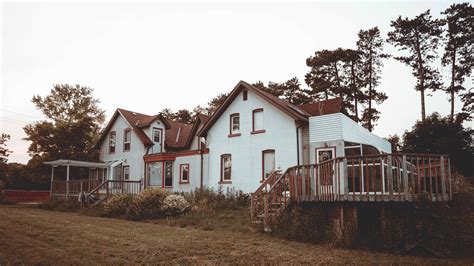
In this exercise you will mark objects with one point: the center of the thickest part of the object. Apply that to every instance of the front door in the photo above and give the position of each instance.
(326, 170)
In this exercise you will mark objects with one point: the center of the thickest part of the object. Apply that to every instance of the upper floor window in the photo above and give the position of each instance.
(157, 135)
(257, 121)
(234, 124)
(112, 141)
(226, 168)
(245, 95)
(127, 136)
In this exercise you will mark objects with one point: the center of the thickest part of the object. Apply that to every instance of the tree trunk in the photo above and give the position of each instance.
(453, 58)
(369, 125)
(421, 76)
(355, 92)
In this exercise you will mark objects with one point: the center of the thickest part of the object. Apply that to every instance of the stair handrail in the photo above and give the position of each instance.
(97, 188)
(259, 192)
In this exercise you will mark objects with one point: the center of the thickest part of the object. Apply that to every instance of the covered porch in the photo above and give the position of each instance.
(71, 184)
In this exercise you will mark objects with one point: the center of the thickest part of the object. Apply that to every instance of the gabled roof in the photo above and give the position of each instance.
(136, 121)
(300, 114)
(288, 108)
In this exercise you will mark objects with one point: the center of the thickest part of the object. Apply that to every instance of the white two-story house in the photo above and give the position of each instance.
(250, 135)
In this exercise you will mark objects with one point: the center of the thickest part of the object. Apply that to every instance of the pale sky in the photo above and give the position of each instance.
(149, 56)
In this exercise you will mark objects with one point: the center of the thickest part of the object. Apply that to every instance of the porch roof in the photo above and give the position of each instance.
(63, 162)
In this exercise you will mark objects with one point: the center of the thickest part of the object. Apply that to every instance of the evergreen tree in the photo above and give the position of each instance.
(458, 50)
(370, 47)
(420, 37)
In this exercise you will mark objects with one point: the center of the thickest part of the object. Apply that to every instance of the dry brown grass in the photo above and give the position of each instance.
(34, 236)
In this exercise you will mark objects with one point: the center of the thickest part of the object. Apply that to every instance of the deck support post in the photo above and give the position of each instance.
(265, 209)
(303, 184)
(390, 176)
(443, 179)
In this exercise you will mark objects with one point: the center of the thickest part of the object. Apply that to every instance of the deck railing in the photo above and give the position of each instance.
(384, 177)
(73, 187)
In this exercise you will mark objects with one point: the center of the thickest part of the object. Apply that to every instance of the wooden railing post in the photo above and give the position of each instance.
(390, 176)
(443, 179)
(405, 176)
(345, 174)
(450, 178)
(312, 182)
(303, 183)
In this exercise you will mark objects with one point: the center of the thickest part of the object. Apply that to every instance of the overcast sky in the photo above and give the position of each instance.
(149, 56)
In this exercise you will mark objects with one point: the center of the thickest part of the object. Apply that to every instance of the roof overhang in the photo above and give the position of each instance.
(63, 162)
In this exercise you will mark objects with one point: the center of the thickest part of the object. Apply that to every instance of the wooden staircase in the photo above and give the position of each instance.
(374, 178)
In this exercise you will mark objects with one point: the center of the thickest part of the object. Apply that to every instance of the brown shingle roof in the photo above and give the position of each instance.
(177, 136)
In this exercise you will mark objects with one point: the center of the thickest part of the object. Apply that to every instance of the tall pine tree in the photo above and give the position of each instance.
(420, 37)
(458, 52)
(370, 47)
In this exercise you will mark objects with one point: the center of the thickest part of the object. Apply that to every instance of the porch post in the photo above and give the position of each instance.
(67, 181)
(52, 180)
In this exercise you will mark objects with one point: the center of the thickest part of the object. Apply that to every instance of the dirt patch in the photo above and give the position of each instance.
(34, 236)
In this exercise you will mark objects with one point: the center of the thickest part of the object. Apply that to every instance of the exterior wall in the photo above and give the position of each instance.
(305, 145)
(194, 162)
(246, 149)
(195, 142)
(132, 158)
(334, 127)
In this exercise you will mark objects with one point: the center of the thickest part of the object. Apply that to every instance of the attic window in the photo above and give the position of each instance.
(244, 95)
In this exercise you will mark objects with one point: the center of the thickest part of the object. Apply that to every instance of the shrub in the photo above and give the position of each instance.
(117, 205)
(208, 198)
(175, 204)
(147, 205)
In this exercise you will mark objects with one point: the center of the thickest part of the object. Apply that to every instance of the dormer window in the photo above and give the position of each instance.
(127, 137)
(112, 141)
(234, 125)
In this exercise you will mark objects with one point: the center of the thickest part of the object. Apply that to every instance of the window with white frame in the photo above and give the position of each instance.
(112, 141)
(126, 172)
(234, 124)
(257, 120)
(184, 173)
(127, 136)
(226, 168)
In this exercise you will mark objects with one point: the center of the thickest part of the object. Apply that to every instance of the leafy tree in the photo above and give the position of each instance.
(442, 136)
(458, 52)
(73, 124)
(468, 106)
(215, 102)
(370, 48)
(420, 37)
(289, 90)
(395, 142)
(184, 116)
(4, 152)
(167, 114)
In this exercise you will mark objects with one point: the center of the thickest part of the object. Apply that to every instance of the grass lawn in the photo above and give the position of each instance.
(33, 236)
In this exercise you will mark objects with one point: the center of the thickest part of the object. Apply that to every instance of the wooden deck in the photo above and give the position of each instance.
(373, 178)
